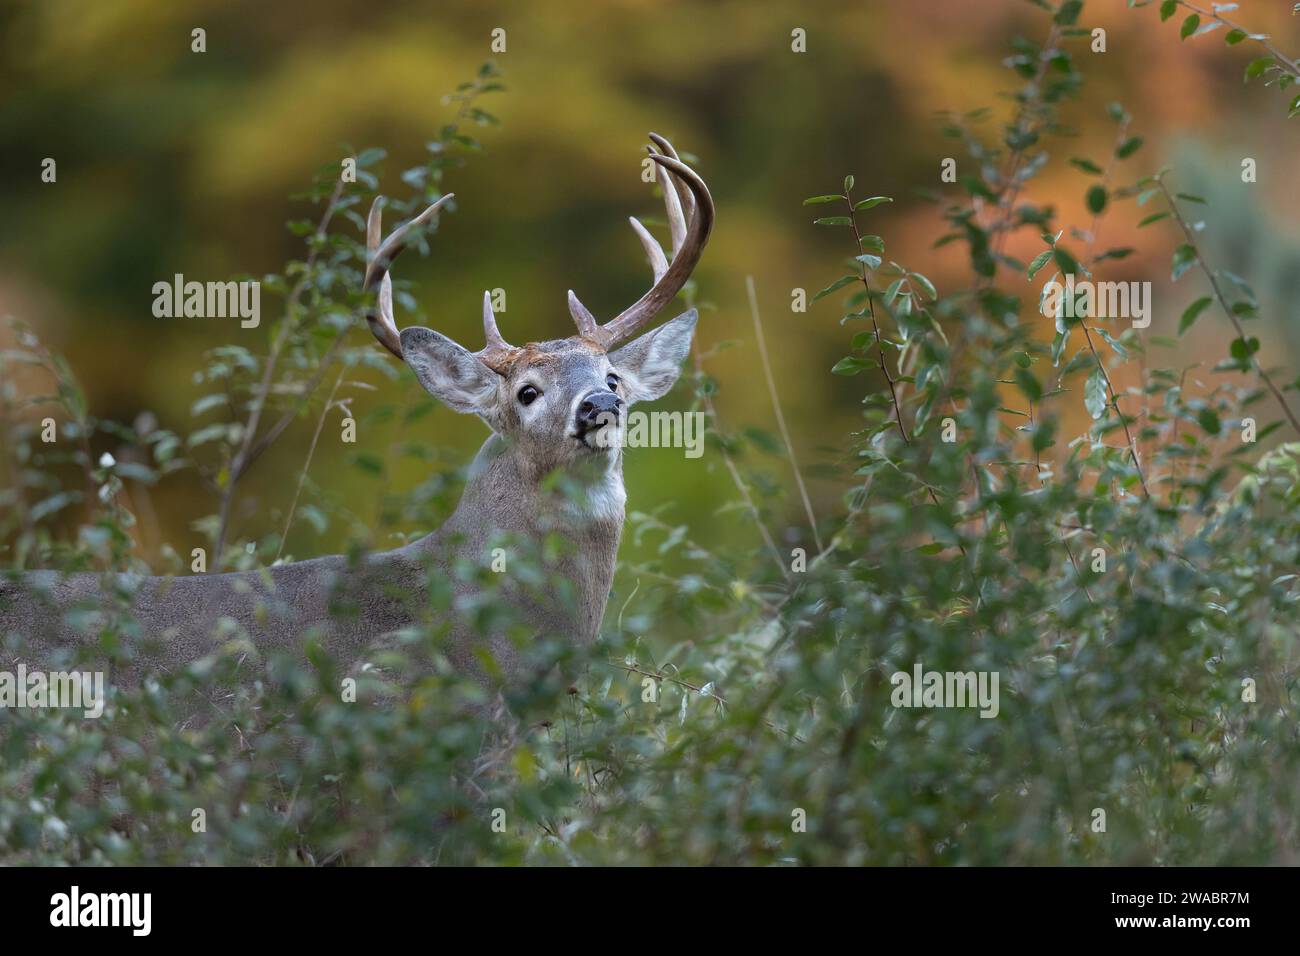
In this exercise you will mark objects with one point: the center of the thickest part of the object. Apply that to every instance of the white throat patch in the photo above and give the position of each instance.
(605, 496)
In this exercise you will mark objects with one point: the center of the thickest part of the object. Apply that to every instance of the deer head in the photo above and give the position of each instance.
(562, 400)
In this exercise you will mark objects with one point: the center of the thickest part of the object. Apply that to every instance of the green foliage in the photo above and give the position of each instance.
(1124, 583)
(1276, 68)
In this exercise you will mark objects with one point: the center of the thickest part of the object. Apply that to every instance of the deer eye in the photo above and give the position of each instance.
(612, 381)
(528, 395)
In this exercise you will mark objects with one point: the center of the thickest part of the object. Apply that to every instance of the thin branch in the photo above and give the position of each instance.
(1114, 402)
(1010, 180)
(1038, 473)
(239, 464)
(776, 407)
(633, 669)
(287, 419)
(1224, 304)
(1262, 39)
(311, 452)
(736, 477)
(864, 274)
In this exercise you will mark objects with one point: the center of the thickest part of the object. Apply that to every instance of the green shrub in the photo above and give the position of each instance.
(1133, 586)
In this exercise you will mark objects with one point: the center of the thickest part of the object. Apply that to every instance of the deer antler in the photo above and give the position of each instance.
(690, 219)
(497, 352)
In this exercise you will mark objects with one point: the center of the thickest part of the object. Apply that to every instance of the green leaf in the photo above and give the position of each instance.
(1044, 431)
(1189, 25)
(839, 283)
(849, 366)
(368, 462)
(1129, 147)
(1191, 198)
(926, 285)
(1068, 12)
(1094, 394)
(1234, 37)
(1209, 420)
(869, 203)
(1059, 341)
(314, 517)
(1087, 165)
(1110, 340)
(1193, 312)
(208, 402)
(217, 432)
(1065, 262)
(848, 184)
(873, 243)
(1257, 66)
(975, 186)
(1096, 199)
(48, 506)
(1168, 9)
(1040, 260)
(1243, 349)
(833, 221)
(1184, 259)
(1239, 282)
(816, 200)
(1154, 217)
(1030, 385)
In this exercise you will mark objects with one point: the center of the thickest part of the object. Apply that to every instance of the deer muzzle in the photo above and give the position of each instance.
(598, 410)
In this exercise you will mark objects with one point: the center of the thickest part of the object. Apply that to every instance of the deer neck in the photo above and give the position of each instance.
(508, 492)
(506, 495)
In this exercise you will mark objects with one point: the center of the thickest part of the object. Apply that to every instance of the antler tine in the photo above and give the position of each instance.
(496, 354)
(383, 254)
(678, 179)
(380, 257)
(676, 201)
(654, 252)
(587, 325)
(673, 205)
(382, 324)
(684, 198)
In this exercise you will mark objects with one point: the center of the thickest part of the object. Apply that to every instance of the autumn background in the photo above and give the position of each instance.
(171, 161)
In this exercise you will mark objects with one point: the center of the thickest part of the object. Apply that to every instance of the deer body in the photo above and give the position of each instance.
(350, 604)
(555, 408)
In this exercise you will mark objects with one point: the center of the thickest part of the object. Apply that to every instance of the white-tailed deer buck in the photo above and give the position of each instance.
(553, 406)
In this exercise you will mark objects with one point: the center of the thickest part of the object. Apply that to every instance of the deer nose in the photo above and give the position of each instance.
(596, 405)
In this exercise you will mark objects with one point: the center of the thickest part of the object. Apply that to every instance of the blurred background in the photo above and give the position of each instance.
(172, 161)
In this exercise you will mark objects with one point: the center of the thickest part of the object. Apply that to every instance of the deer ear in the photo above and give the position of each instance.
(450, 372)
(650, 365)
